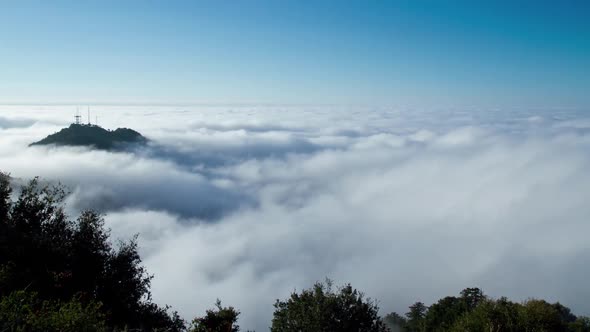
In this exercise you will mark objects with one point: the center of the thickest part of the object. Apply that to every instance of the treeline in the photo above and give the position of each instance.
(473, 311)
(58, 274)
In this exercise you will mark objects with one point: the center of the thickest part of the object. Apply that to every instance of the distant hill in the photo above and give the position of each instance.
(94, 136)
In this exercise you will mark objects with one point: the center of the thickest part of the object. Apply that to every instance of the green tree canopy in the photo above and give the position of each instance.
(323, 309)
(60, 260)
(473, 311)
(24, 311)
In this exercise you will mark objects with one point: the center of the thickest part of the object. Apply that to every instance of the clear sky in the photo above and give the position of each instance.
(402, 53)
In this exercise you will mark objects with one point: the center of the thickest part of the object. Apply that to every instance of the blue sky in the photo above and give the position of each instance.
(401, 53)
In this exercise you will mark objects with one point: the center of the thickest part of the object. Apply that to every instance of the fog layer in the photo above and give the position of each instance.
(247, 204)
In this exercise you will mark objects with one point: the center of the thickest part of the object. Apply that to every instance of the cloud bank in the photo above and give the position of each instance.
(247, 204)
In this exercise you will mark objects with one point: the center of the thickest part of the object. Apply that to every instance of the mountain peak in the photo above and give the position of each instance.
(93, 136)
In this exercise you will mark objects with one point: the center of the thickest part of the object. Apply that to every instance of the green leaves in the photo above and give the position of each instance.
(59, 260)
(416, 317)
(24, 311)
(323, 309)
(473, 311)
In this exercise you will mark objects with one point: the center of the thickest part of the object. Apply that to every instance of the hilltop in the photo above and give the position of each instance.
(94, 136)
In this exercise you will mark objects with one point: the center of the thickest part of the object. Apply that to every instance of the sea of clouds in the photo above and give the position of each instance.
(249, 203)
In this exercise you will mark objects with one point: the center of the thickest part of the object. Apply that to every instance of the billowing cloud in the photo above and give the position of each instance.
(248, 204)
(6, 123)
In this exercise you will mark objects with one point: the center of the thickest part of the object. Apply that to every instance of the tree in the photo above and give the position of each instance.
(43, 252)
(157, 318)
(471, 297)
(5, 191)
(395, 322)
(443, 314)
(322, 309)
(24, 311)
(5, 238)
(538, 315)
(581, 324)
(490, 315)
(564, 312)
(416, 317)
(220, 319)
(473, 311)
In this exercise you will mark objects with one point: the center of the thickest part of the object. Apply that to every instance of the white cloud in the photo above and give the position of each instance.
(248, 204)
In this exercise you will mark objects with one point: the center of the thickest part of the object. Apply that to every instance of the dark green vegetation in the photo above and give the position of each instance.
(58, 274)
(322, 309)
(95, 136)
(219, 319)
(473, 311)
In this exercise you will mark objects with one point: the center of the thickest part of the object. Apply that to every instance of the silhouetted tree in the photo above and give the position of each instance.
(416, 317)
(538, 315)
(220, 319)
(443, 314)
(581, 324)
(471, 297)
(564, 312)
(42, 251)
(5, 191)
(321, 309)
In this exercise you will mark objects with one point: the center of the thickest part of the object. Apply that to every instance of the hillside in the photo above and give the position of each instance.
(95, 136)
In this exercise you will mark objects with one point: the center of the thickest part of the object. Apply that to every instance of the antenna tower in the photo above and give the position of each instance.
(89, 115)
(77, 116)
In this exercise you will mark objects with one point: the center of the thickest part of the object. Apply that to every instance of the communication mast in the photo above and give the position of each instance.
(77, 117)
(89, 115)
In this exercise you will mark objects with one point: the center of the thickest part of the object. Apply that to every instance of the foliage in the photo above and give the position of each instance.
(5, 191)
(442, 315)
(322, 309)
(490, 315)
(581, 324)
(70, 267)
(473, 311)
(24, 311)
(90, 135)
(415, 317)
(220, 319)
(395, 322)
(538, 315)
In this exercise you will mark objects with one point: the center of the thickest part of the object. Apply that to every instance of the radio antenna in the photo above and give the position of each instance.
(77, 116)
